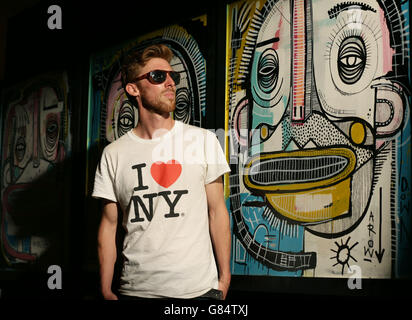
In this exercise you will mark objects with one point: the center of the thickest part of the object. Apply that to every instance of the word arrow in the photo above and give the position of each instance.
(379, 253)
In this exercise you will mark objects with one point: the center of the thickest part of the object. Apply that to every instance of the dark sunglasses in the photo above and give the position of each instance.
(159, 76)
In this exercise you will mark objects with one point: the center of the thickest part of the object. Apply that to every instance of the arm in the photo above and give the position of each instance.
(219, 227)
(106, 240)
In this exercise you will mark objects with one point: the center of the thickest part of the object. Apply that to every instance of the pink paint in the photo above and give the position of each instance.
(276, 44)
(387, 51)
(298, 64)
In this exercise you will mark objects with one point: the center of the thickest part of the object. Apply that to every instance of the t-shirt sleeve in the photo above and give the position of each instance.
(216, 164)
(104, 178)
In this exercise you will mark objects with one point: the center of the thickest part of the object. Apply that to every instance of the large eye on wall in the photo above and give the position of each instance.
(268, 70)
(125, 121)
(351, 60)
(265, 84)
(52, 132)
(353, 56)
(183, 105)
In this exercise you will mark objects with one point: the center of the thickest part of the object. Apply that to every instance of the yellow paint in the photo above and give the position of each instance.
(357, 133)
(313, 201)
(264, 132)
(202, 19)
(313, 206)
(227, 102)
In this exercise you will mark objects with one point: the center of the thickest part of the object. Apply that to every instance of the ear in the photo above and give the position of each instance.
(390, 106)
(239, 123)
(132, 89)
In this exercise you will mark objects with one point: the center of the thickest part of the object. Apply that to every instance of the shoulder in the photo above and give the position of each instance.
(118, 145)
(193, 129)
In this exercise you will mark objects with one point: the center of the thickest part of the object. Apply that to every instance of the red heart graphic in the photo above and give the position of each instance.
(166, 174)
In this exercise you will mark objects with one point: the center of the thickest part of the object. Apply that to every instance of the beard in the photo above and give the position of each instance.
(161, 104)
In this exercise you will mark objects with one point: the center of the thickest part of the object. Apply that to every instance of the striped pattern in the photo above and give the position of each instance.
(299, 53)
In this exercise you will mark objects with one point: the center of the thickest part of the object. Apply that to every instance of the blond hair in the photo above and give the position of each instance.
(136, 60)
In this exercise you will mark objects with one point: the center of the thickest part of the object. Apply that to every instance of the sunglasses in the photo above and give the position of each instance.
(159, 76)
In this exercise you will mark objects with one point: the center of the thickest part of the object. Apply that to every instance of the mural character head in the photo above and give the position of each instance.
(321, 102)
(34, 140)
(186, 59)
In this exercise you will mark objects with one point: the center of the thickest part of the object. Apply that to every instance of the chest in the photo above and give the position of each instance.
(146, 181)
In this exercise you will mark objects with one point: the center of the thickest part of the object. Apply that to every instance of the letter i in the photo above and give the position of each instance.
(140, 177)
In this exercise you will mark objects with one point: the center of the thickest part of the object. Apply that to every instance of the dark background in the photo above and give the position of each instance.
(28, 48)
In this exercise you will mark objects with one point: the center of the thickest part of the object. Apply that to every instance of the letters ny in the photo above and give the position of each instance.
(144, 203)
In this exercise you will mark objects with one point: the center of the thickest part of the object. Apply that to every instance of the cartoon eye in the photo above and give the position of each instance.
(52, 130)
(125, 122)
(268, 71)
(351, 59)
(262, 133)
(183, 105)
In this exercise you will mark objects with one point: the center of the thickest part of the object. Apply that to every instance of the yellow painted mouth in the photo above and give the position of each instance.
(313, 206)
(309, 186)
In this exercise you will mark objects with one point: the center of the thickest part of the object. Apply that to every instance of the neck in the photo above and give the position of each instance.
(153, 125)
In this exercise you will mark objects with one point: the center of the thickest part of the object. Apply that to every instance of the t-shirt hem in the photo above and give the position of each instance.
(207, 181)
(163, 295)
(103, 196)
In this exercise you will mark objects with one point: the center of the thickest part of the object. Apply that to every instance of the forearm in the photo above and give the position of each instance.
(107, 256)
(220, 233)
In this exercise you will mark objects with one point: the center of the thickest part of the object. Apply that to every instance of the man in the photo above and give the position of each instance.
(166, 178)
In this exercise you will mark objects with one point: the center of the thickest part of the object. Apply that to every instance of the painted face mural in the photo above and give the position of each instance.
(122, 116)
(35, 140)
(118, 113)
(317, 103)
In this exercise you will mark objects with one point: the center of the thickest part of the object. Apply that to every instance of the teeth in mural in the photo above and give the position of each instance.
(310, 145)
(298, 170)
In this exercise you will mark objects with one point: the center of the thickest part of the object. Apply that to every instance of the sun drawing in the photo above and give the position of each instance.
(343, 254)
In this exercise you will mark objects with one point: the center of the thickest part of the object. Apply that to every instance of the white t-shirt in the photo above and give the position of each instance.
(160, 186)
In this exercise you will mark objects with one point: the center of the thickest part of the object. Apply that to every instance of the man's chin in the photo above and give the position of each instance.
(168, 107)
(163, 109)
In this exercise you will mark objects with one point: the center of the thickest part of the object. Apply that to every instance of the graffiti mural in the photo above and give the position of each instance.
(35, 141)
(111, 114)
(318, 121)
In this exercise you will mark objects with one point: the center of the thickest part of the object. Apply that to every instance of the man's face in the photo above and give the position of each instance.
(122, 116)
(158, 98)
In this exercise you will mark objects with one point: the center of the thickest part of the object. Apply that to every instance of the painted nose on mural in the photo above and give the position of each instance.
(299, 53)
(303, 182)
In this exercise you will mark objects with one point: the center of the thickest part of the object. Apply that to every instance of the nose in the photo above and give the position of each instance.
(169, 81)
(301, 61)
